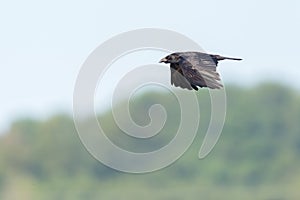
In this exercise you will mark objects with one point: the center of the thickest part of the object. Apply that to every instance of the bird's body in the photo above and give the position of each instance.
(191, 70)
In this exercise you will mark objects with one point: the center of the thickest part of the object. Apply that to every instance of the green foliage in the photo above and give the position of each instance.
(257, 156)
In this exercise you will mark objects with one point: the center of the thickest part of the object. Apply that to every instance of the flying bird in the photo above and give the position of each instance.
(191, 70)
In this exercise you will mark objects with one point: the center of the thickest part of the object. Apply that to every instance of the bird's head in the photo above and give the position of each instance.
(172, 58)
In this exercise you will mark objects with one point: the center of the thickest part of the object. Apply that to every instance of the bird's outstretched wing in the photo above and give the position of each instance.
(200, 70)
(177, 77)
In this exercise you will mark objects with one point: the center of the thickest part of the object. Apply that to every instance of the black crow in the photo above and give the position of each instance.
(191, 70)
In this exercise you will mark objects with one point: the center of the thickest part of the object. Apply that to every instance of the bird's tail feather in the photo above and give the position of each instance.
(227, 58)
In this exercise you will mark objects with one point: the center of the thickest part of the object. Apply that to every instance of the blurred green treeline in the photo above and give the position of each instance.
(256, 157)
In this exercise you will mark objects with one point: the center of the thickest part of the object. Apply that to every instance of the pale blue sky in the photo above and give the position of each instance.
(43, 44)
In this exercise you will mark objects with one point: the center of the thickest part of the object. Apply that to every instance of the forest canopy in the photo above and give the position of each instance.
(257, 156)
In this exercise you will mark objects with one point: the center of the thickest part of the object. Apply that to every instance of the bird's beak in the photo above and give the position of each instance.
(163, 60)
